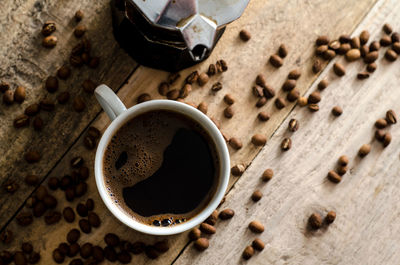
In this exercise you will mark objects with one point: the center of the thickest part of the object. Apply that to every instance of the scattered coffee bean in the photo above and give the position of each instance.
(260, 80)
(282, 51)
(69, 214)
(379, 135)
(32, 156)
(64, 248)
(212, 219)
(244, 35)
(341, 170)
(229, 99)
(88, 86)
(330, 217)
(21, 121)
(391, 55)
(276, 61)
(124, 257)
(339, 69)
(78, 15)
(317, 66)
(256, 196)
(364, 50)
(52, 217)
(257, 244)
(94, 219)
(261, 102)
(362, 75)
(355, 43)
(248, 252)
(32, 109)
(371, 57)
(288, 85)
(387, 28)
(41, 192)
(267, 175)
(138, 247)
(387, 138)
(322, 40)
(235, 143)
(380, 123)
(395, 37)
(334, 177)
(32, 180)
(76, 60)
(302, 101)
(33, 257)
(4, 86)
(258, 91)
(263, 116)
(201, 244)
(98, 254)
(79, 31)
(110, 254)
(24, 219)
(6, 236)
(371, 67)
(194, 234)
(222, 66)
(81, 210)
(294, 74)
(85, 226)
(344, 48)
(48, 28)
(314, 97)
(334, 45)
(280, 103)
(89, 142)
(64, 72)
(171, 79)
(337, 111)
(151, 252)
(343, 161)
(80, 189)
(216, 87)
(38, 123)
(293, 125)
(226, 214)
(329, 55)
(86, 250)
(58, 257)
(163, 88)
(19, 94)
(256, 227)
(49, 41)
(203, 107)
(50, 201)
(63, 97)
(353, 55)
(143, 98)
(396, 47)
(78, 104)
(385, 41)
(111, 239)
(228, 112)
(212, 70)
(315, 221)
(364, 150)
(192, 77)
(391, 117)
(8, 97)
(73, 236)
(173, 94)
(364, 37)
(269, 92)
(47, 104)
(258, 139)
(320, 50)
(286, 144)
(73, 250)
(203, 79)
(238, 170)
(53, 183)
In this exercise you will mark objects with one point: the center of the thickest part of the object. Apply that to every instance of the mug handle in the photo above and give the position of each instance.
(109, 101)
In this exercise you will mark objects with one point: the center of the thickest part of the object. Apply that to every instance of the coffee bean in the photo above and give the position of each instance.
(52, 217)
(286, 144)
(362, 75)
(74, 249)
(79, 15)
(63, 72)
(293, 125)
(329, 55)
(58, 257)
(38, 123)
(4, 86)
(39, 209)
(33, 257)
(94, 219)
(64, 248)
(257, 244)
(238, 170)
(344, 38)
(79, 31)
(70, 194)
(47, 104)
(334, 45)
(385, 41)
(276, 61)
(387, 138)
(256, 196)
(83, 173)
(282, 51)
(8, 97)
(380, 123)
(6, 236)
(371, 57)
(315, 221)
(192, 77)
(32, 156)
(41, 192)
(364, 50)
(337, 111)
(343, 160)
(391, 55)
(314, 97)
(89, 142)
(76, 162)
(173, 94)
(280, 103)
(258, 91)
(30, 202)
(85, 226)
(263, 116)
(88, 86)
(98, 254)
(207, 229)
(81, 210)
(355, 43)
(258, 139)
(330, 217)
(235, 143)
(69, 214)
(228, 112)
(90, 204)
(161, 246)
(248, 252)
(73, 236)
(364, 37)
(151, 252)
(395, 37)
(65, 182)
(48, 28)
(256, 227)
(19, 94)
(32, 109)
(322, 40)
(226, 214)
(396, 47)
(194, 234)
(77, 262)
(320, 50)
(364, 150)
(111, 239)
(391, 117)
(163, 88)
(269, 92)
(78, 104)
(24, 219)
(110, 254)
(341, 170)
(261, 102)
(50, 201)
(379, 135)
(344, 48)
(201, 244)
(203, 107)
(229, 99)
(374, 46)
(353, 55)
(51, 84)
(124, 257)
(317, 66)
(21, 121)
(371, 67)
(288, 85)
(138, 247)
(339, 69)
(216, 87)
(221, 66)
(260, 80)
(203, 79)
(267, 175)
(63, 97)
(49, 42)
(86, 250)
(334, 177)
(212, 219)
(75, 60)
(387, 28)
(302, 101)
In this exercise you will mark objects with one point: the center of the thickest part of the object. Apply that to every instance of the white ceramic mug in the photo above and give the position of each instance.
(120, 115)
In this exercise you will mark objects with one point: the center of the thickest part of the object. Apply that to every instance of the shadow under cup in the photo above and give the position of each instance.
(221, 151)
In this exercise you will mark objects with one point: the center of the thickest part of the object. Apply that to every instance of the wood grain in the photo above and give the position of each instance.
(271, 23)
(25, 62)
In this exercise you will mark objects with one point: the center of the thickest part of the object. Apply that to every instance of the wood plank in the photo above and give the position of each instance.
(366, 201)
(266, 20)
(25, 62)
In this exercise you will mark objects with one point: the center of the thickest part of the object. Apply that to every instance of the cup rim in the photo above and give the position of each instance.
(197, 116)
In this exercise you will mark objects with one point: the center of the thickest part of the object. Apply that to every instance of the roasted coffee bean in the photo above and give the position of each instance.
(364, 150)
(48, 28)
(85, 226)
(371, 67)
(302, 101)
(257, 244)
(124, 257)
(39, 209)
(248, 252)
(63, 72)
(317, 66)
(81, 210)
(343, 161)
(229, 99)
(256, 227)
(98, 253)
(86, 250)
(58, 257)
(353, 55)
(24, 219)
(52, 217)
(64, 248)
(38, 123)
(50, 201)
(78, 104)
(88, 86)
(244, 35)
(364, 37)
(69, 214)
(203, 107)
(111, 239)
(391, 55)
(216, 87)
(79, 31)
(83, 173)
(41, 193)
(362, 75)
(192, 77)
(286, 144)
(344, 38)
(151, 252)
(261, 102)
(380, 123)
(276, 61)
(77, 262)
(51, 84)
(30, 202)
(163, 88)
(228, 112)
(294, 74)
(90, 204)
(21, 121)
(63, 97)
(385, 41)
(194, 234)
(387, 138)
(238, 170)
(203, 79)
(73, 236)
(256, 196)
(334, 45)
(110, 254)
(322, 40)
(315, 221)
(395, 37)
(235, 143)
(94, 132)
(65, 182)
(288, 85)
(267, 175)
(212, 219)
(32, 156)
(173, 94)
(374, 46)
(33, 257)
(49, 41)
(371, 57)
(161, 246)
(74, 249)
(314, 97)
(320, 50)
(280, 103)
(396, 47)
(32, 110)
(212, 70)
(8, 97)
(75, 60)
(342, 170)
(339, 69)
(137, 247)
(89, 142)
(6, 236)
(379, 135)
(226, 214)
(337, 111)
(293, 125)
(263, 116)
(258, 139)
(334, 177)
(258, 91)
(76, 162)
(260, 80)
(4, 86)
(387, 28)
(344, 48)
(172, 77)
(391, 117)
(19, 94)
(282, 51)
(355, 43)
(330, 217)
(94, 219)
(70, 194)
(19, 258)
(47, 104)
(221, 66)
(201, 244)
(329, 55)
(78, 15)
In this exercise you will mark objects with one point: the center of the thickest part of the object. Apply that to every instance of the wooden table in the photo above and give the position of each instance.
(366, 201)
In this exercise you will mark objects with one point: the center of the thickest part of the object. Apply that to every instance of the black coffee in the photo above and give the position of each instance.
(161, 168)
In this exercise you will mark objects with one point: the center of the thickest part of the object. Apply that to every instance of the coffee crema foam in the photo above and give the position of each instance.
(136, 152)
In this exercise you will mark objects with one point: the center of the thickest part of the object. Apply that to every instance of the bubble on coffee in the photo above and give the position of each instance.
(161, 168)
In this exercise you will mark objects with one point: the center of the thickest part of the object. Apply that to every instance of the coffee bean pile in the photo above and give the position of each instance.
(257, 244)
(207, 228)
(315, 221)
(26, 255)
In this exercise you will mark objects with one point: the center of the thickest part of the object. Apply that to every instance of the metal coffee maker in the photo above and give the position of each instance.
(172, 34)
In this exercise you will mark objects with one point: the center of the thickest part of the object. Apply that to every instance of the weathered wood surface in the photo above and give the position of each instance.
(25, 62)
(271, 23)
(366, 201)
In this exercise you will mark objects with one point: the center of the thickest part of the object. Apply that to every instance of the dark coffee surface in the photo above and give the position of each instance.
(160, 168)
